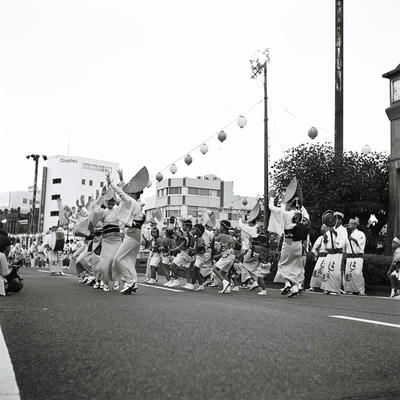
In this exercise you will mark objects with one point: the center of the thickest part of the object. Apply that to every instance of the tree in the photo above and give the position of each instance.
(357, 185)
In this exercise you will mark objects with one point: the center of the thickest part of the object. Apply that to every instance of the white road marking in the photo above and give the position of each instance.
(368, 321)
(48, 272)
(8, 384)
(354, 296)
(162, 288)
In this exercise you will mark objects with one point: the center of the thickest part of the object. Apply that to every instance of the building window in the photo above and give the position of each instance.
(85, 166)
(54, 213)
(193, 211)
(25, 201)
(233, 217)
(55, 196)
(203, 192)
(90, 183)
(93, 167)
(56, 180)
(101, 184)
(173, 213)
(100, 168)
(213, 193)
(174, 190)
(108, 169)
(83, 181)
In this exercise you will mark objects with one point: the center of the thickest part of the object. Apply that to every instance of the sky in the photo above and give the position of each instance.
(144, 82)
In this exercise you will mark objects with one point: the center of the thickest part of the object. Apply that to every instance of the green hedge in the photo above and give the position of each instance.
(375, 269)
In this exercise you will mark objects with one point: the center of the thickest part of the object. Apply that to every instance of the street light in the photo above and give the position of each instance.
(35, 158)
(259, 66)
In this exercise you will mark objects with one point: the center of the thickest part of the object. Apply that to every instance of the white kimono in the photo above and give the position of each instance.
(320, 252)
(291, 262)
(332, 276)
(130, 211)
(353, 277)
(246, 232)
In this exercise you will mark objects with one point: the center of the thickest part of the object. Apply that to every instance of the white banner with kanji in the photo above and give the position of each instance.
(316, 279)
(332, 276)
(353, 276)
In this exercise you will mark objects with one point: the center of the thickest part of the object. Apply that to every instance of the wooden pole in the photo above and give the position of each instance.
(339, 79)
(266, 178)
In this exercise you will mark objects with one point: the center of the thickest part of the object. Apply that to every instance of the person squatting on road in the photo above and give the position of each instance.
(394, 270)
(10, 281)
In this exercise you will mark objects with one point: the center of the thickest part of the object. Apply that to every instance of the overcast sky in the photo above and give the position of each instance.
(142, 82)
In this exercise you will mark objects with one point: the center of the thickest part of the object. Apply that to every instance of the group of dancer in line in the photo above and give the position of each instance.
(112, 227)
(210, 255)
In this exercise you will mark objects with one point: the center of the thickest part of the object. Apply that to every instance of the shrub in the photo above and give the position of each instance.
(375, 269)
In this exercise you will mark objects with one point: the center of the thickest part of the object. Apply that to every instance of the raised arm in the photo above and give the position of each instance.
(124, 197)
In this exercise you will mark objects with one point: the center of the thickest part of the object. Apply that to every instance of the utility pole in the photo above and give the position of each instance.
(339, 79)
(35, 158)
(258, 66)
(266, 148)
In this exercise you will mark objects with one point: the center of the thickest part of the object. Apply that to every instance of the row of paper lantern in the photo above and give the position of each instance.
(313, 133)
(241, 121)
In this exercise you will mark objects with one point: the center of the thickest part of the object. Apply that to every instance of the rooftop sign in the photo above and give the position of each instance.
(68, 160)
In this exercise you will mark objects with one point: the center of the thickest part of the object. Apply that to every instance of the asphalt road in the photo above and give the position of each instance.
(67, 341)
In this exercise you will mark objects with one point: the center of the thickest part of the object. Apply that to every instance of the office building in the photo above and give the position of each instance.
(182, 197)
(70, 178)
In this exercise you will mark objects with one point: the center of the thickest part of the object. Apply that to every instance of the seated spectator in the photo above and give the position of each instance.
(394, 269)
(10, 281)
(4, 268)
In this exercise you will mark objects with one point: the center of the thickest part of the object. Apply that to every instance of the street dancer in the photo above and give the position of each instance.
(354, 249)
(111, 235)
(182, 258)
(292, 217)
(225, 256)
(319, 252)
(202, 256)
(154, 256)
(167, 244)
(332, 279)
(131, 215)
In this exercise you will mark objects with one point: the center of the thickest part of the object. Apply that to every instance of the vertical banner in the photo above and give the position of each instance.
(332, 277)
(319, 269)
(353, 276)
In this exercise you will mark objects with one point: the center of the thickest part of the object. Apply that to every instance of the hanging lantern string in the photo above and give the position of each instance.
(293, 115)
(209, 138)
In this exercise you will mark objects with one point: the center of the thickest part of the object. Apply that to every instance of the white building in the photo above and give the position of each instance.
(19, 199)
(70, 178)
(181, 197)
